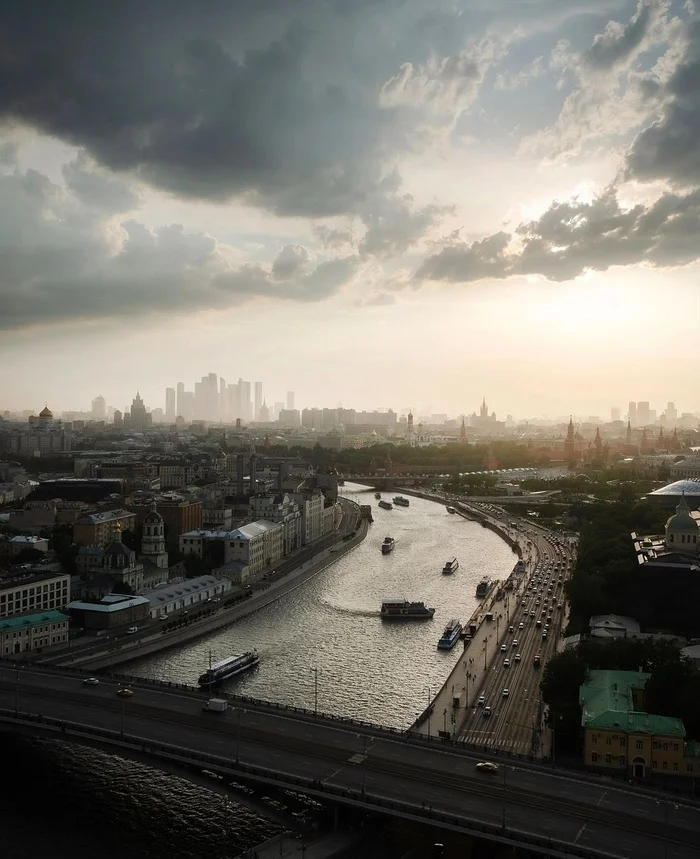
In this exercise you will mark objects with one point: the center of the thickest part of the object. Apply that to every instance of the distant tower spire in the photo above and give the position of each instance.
(463, 432)
(628, 437)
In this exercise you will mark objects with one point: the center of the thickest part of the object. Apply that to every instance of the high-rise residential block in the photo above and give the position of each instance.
(179, 402)
(99, 408)
(258, 401)
(615, 414)
(643, 415)
(632, 412)
(170, 401)
(290, 400)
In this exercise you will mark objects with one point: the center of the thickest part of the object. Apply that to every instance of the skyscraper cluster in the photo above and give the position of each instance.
(640, 414)
(214, 400)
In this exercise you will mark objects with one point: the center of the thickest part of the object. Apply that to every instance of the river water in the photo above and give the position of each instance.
(325, 637)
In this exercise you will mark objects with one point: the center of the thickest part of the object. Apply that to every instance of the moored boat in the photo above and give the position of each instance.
(451, 510)
(402, 609)
(385, 505)
(229, 667)
(377, 495)
(450, 635)
(400, 501)
(388, 545)
(482, 588)
(451, 565)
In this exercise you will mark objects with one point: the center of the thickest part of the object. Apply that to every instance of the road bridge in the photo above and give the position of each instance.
(551, 812)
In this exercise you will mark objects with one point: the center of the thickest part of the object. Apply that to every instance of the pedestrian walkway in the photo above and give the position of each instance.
(461, 689)
(309, 847)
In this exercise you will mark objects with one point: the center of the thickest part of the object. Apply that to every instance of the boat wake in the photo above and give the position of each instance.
(356, 612)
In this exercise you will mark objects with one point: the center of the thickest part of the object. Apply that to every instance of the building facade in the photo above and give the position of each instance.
(282, 510)
(620, 735)
(96, 529)
(186, 594)
(33, 592)
(311, 504)
(33, 632)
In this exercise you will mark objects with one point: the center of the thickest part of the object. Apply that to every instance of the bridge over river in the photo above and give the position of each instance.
(553, 812)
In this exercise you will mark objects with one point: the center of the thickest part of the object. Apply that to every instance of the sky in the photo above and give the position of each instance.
(371, 202)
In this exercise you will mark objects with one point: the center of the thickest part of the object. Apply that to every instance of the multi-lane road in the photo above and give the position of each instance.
(615, 820)
(505, 712)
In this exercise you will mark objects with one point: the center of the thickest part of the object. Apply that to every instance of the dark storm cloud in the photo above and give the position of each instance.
(668, 149)
(574, 237)
(619, 42)
(275, 101)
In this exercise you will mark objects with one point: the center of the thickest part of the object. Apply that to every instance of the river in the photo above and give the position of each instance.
(326, 636)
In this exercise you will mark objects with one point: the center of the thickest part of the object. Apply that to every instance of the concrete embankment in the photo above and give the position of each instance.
(150, 644)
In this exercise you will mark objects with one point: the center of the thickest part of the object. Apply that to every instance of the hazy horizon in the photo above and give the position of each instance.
(386, 204)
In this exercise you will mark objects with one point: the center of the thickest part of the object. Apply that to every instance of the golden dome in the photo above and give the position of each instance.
(46, 412)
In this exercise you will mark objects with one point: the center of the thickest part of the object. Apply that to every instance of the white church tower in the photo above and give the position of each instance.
(153, 541)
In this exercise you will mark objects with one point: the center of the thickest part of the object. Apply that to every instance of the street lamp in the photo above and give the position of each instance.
(238, 734)
(315, 670)
(429, 713)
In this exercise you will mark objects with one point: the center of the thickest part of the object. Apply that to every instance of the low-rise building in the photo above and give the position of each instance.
(33, 632)
(33, 591)
(97, 529)
(283, 510)
(111, 612)
(176, 596)
(618, 732)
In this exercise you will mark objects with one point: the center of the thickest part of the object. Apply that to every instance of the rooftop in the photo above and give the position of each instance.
(109, 604)
(107, 516)
(691, 488)
(612, 700)
(161, 595)
(30, 577)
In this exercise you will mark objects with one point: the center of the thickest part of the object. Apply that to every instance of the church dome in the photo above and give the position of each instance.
(153, 517)
(682, 527)
(46, 412)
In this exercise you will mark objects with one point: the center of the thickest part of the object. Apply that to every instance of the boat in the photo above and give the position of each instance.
(520, 568)
(400, 501)
(404, 610)
(450, 636)
(388, 545)
(377, 495)
(451, 565)
(451, 510)
(229, 667)
(386, 505)
(482, 588)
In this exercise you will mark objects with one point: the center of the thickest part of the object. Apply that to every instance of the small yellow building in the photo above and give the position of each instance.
(621, 735)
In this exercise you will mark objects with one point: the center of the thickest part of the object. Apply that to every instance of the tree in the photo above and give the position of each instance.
(122, 587)
(29, 556)
(563, 675)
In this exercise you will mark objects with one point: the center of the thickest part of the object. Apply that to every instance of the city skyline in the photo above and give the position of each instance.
(456, 199)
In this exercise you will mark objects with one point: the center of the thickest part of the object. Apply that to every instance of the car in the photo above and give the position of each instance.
(544, 633)
(487, 767)
(517, 657)
(162, 617)
(503, 648)
(125, 692)
(487, 712)
(538, 623)
(504, 693)
(91, 681)
(506, 663)
(537, 601)
(481, 701)
(514, 643)
(532, 614)
(131, 630)
(521, 625)
(510, 629)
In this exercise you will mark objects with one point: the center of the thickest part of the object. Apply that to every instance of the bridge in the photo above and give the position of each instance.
(552, 812)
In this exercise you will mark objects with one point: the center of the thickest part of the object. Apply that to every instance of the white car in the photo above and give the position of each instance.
(503, 648)
(132, 630)
(481, 701)
(487, 767)
(91, 681)
(521, 626)
(505, 693)
(506, 663)
(517, 657)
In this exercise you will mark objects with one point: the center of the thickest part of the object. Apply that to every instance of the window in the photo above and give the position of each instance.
(623, 742)
(675, 768)
(594, 757)
(623, 761)
(608, 759)
(675, 747)
(639, 745)
(654, 765)
(608, 741)
(689, 768)
(665, 747)
(655, 745)
(665, 765)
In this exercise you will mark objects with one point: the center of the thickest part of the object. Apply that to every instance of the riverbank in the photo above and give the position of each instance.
(126, 651)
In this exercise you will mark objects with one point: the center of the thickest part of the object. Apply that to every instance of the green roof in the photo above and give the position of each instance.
(612, 700)
(25, 620)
